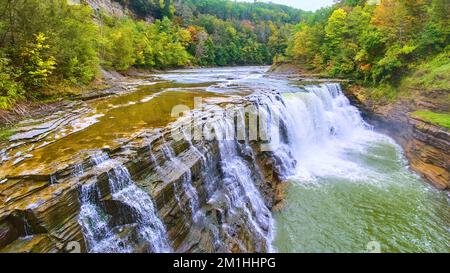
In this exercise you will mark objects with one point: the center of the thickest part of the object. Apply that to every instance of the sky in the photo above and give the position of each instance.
(311, 5)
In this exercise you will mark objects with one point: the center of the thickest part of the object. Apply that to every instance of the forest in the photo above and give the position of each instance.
(224, 126)
(376, 45)
(391, 45)
(38, 57)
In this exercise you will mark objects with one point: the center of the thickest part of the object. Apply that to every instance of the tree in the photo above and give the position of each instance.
(394, 18)
(336, 28)
(11, 88)
(38, 65)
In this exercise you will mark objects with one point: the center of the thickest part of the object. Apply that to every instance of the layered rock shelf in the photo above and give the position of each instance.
(40, 213)
(426, 145)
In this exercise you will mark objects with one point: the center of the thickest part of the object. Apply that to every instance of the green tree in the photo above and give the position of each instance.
(38, 65)
(11, 89)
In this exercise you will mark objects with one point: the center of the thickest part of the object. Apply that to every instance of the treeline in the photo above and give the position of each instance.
(229, 10)
(48, 46)
(230, 32)
(224, 32)
(219, 42)
(375, 42)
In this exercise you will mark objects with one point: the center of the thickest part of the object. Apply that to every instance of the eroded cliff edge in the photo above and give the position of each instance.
(426, 145)
(79, 204)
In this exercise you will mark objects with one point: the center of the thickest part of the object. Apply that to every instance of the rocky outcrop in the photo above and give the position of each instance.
(42, 213)
(109, 6)
(113, 8)
(426, 145)
(428, 151)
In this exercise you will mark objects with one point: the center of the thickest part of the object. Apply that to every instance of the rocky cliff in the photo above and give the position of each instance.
(109, 6)
(100, 196)
(426, 145)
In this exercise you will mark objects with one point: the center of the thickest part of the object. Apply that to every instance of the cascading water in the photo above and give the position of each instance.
(346, 181)
(347, 187)
(150, 226)
(96, 223)
(310, 121)
(187, 185)
(329, 123)
(238, 185)
(99, 158)
(319, 142)
(305, 119)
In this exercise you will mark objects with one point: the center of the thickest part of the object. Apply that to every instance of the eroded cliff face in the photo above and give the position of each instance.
(108, 6)
(426, 145)
(154, 193)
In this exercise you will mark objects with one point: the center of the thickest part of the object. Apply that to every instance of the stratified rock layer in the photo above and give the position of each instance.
(426, 145)
(41, 213)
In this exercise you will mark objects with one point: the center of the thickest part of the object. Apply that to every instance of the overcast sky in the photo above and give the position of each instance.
(301, 4)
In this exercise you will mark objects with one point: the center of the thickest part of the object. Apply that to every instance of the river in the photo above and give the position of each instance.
(350, 189)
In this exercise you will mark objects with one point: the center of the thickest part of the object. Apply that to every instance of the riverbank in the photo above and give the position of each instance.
(425, 141)
(110, 83)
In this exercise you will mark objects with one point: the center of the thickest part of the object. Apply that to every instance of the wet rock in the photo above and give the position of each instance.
(428, 151)
(121, 213)
(8, 233)
(34, 244)
(426, 145)
(39, 216)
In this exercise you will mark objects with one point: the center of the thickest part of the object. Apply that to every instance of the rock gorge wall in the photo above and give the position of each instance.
(185, 181)
(108, 6)
(426, 145)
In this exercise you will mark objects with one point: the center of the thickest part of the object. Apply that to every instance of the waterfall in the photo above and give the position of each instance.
(303, 121)
(325, 123)
(279, 132)
(238, 185)
(99, 235)
(150, 226)
(301, 124)
(309, 120)
(94, 222)
(99, 158)
(187, 185)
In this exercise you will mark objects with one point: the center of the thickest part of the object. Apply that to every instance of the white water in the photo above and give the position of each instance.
(321, 125)
(187, 185)
(321, 132)
(99, 235)
(351, 187)
(238, 186)
(150, 226)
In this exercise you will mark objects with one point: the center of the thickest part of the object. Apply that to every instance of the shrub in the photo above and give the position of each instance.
(10, 89)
